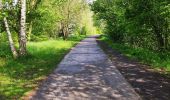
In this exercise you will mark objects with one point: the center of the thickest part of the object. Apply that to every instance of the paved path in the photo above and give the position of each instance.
(86, 73)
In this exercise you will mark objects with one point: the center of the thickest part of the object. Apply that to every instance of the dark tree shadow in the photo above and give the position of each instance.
(151, 85)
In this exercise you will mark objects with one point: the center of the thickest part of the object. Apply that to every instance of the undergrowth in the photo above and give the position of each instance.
(18, 77)
(155, 59)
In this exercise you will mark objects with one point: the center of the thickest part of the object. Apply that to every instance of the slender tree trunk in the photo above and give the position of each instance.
(30, 31)
(22, 35)
(160, 39)
(64, 32)
(11, 43)
(67, 22)
(166, 41)
(0, 4)
(0, 10)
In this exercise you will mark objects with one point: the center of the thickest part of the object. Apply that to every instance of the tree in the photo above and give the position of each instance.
(32, 5)
(71, 12)
(60, 18)
(22, 34)
(11, 43)
(139, 23)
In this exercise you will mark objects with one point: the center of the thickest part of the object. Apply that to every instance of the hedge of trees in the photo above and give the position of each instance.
(139, 23)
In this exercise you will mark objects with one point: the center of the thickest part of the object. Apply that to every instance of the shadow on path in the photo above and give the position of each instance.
(86, 73)
(149, 84)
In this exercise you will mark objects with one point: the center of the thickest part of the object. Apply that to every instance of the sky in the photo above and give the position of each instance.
(90, 1)
(15, 2)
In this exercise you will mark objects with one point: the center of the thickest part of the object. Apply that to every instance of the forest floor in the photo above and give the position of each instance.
(149, 83)
(86, 73)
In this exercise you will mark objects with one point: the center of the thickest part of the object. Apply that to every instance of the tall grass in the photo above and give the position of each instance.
(17, 77)
(155, 59)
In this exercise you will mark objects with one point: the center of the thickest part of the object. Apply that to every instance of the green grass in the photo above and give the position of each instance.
(18, 77)
(155, 59)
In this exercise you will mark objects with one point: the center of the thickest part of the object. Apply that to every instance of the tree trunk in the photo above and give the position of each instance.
(22, 34)
(11, 43)
(0, 10)
(30, 31)
(64, 32)
(166, 36)
(166, 41)
(0, 4)
(160, 39)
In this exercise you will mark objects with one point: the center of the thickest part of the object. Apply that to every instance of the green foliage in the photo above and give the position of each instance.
(48, 18)
(38, 38)
(22, 75)
(45, 19)
(56, 18)
(156, 59)
(139, 23)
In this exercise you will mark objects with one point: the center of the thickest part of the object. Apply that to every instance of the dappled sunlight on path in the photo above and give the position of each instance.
(86, 74)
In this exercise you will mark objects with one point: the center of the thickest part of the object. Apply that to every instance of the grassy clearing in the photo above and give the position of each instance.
(17, 77)
(158, 60)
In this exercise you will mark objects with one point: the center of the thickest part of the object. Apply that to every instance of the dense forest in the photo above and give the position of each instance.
(140, 25)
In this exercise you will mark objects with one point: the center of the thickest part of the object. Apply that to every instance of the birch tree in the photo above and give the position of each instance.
(11, 43)
(22, 34)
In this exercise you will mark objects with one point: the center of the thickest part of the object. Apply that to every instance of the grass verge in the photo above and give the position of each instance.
(18, 77)
(160, 61)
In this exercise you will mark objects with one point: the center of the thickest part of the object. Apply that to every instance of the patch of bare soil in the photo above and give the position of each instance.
(148, 83)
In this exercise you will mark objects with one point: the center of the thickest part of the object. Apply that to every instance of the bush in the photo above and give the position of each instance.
(156, 59)
(38, 38)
